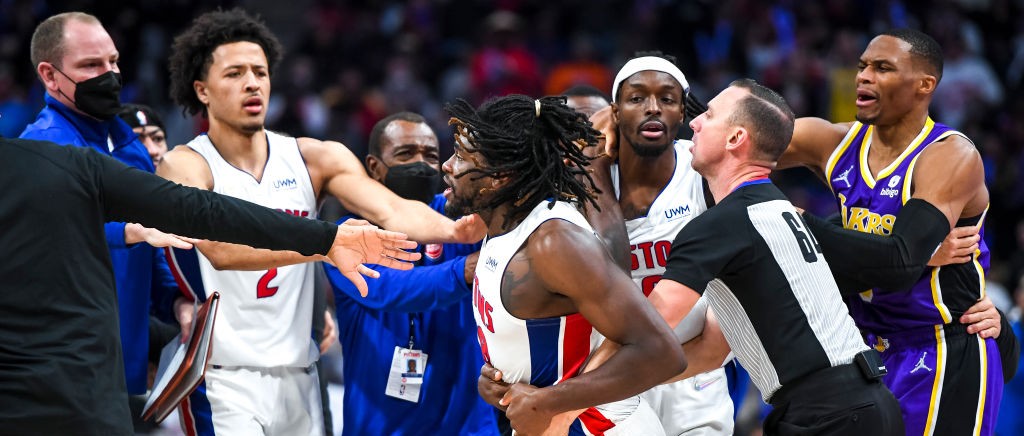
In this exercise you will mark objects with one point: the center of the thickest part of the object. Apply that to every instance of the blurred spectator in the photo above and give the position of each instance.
(969, 86)
(15, 110)
(503, 65)
(1011, 421)
(585, 99)
(150, 129)
(583, 68)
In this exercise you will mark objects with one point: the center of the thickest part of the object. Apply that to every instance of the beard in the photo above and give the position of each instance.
(650, 150)
(457, 207)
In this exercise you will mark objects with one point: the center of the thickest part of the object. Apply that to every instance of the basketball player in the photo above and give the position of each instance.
(897, 173)
(659, 193)
(544, 281)
(262, 379)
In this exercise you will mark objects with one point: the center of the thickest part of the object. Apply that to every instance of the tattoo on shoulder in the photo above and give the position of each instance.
(514, 278)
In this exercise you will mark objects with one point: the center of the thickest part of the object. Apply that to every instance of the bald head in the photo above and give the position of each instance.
(48, 39)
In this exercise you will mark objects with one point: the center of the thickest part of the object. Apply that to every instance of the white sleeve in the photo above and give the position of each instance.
(693, 324)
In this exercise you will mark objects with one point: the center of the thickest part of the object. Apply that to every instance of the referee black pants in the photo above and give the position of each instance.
(834, 401)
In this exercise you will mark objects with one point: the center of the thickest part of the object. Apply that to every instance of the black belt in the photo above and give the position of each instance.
(839, 375)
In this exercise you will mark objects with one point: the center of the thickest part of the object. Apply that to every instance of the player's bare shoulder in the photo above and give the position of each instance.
(954, 152)
(327, 159)
(559, 250)
(186, 166)
(320, 154)
(951, 171)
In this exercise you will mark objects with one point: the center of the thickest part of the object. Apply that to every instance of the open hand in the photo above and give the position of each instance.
(983, 318)
(470, 229)
(135, 233)
(355, 245)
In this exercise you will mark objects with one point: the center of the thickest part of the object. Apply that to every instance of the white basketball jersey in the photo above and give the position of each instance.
(540, 352)
(699, 405)
(265, 317)
(651, 236)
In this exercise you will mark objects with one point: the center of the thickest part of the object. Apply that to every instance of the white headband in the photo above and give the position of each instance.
(648, 63)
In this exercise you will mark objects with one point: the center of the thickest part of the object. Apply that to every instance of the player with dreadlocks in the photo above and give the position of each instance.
(544, 281)
(532, 148)
(657, 193)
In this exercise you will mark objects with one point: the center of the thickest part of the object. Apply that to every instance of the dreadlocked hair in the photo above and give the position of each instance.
(530, 146)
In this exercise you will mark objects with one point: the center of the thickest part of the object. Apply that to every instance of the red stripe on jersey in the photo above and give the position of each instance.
(188, 421)
(595, 422)
(575, 345)
(183, 286)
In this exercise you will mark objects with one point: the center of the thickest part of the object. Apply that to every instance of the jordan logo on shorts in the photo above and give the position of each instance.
(920, 364)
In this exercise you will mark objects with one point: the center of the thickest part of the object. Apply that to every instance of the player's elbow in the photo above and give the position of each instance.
(672, 361)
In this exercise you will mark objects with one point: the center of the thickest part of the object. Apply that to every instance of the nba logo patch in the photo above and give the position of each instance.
(433, 251)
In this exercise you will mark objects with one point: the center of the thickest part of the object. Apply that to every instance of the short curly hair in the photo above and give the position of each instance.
(192, 50)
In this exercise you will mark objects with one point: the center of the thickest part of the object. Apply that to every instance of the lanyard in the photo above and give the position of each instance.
(412, 330)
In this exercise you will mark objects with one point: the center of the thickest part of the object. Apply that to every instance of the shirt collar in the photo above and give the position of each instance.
(92, 130)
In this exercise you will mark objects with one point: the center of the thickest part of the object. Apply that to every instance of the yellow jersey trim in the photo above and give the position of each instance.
(940, 373)
(840, 151)
(865, 171)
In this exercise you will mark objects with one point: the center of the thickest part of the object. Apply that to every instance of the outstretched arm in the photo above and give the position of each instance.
(813, 141)
(891, 262)
(421, 289)
(343, 176)
(133, 195)
(185, 166)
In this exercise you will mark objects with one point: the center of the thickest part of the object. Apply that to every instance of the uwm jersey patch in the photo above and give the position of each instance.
(264, 317)
(651, 236)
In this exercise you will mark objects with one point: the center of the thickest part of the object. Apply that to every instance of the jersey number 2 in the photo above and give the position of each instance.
(808, 245)
(263, 290)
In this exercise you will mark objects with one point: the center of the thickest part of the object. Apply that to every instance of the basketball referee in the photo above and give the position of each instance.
(753, 261)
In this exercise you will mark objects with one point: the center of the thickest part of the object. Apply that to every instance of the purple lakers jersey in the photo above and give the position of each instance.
(869, 202)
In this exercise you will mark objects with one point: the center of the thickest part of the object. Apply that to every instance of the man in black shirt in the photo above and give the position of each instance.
(752, 259)
(60, 359)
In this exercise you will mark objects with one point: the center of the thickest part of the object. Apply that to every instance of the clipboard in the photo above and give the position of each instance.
(182, 366)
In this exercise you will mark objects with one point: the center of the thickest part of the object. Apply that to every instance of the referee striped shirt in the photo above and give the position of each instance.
(762, 271)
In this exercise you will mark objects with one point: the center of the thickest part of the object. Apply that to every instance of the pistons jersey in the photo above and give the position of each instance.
(651, 236)
(542, 351)
(265, 317)
(869, 202)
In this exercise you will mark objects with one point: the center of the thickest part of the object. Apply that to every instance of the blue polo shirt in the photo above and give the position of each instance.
(139, 270)
(439, 302)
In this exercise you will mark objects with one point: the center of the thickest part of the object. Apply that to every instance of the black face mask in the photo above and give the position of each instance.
(98, 97)
(414, 181)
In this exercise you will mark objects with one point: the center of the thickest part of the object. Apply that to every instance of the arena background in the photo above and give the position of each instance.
(348, 64)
